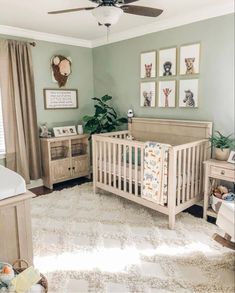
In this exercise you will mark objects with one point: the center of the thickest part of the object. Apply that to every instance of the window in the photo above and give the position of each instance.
(2, 141)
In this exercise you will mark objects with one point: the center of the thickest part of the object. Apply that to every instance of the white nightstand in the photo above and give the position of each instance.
(215, 170)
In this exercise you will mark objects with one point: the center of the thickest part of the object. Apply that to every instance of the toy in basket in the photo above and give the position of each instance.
(24, 279)
(220, 194)
(6, 274)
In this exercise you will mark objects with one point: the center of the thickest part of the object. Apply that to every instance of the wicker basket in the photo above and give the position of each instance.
(18, 268)
(59, 152)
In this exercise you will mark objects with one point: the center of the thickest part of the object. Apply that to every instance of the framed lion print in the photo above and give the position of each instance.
(190, 59)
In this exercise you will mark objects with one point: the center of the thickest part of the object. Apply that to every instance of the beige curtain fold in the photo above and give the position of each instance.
(19, 109)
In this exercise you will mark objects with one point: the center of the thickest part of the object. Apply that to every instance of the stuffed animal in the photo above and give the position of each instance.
(61, 68)
(44, 131)
(219, 191)
(6, 274)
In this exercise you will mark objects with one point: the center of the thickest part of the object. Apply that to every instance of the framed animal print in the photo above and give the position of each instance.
(190, 59)
(166, 93)
(188, 93)
(167, 62)
(148, 65)
(147, 94)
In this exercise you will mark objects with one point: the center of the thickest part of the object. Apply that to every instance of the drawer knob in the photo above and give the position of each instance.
(222, 172)
(69, 168)
(73, 168)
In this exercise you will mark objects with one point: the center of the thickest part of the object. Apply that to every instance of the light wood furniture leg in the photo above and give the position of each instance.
(224, 241)
(206, 189)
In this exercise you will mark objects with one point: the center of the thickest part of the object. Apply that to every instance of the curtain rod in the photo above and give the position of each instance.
(32, 44)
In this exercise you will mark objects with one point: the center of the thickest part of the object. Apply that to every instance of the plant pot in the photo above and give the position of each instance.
(222, 155)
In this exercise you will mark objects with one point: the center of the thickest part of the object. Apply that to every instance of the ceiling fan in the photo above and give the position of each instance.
(108, 12)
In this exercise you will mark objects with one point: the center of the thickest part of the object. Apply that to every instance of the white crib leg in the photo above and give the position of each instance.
(171, 221)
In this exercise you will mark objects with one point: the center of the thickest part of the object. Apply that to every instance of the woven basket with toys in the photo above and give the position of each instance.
(19, 277)
(220, 194)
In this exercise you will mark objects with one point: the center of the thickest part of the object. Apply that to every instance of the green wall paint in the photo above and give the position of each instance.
(117, 71)
(81, 79)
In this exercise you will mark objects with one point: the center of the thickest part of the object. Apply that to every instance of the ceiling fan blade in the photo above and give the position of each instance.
(141, 10)
(71, 10)
(126, 1)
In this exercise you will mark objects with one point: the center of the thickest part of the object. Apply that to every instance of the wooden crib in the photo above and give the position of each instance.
(118, 163)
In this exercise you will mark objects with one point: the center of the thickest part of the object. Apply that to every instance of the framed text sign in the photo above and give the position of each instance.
(60, 99)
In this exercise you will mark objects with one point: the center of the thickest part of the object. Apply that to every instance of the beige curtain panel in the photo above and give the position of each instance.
(19, 109)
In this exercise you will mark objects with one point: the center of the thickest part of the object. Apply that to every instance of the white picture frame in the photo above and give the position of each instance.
(188, 93)
(190, 59)
(167, 93)
(148, 94)
(64, 131)
(148, 64)
(231, 158)
(167, 62)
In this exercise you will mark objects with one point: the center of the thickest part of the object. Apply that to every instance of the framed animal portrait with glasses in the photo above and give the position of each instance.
(167, 62)
(190, 59)
(148, 64)
(147, 94)
(166, 93)
(188, 93)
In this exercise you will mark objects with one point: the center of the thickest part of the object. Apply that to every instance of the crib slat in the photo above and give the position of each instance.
(179, 177)
(130, 169)
(105, 164)
(188, 173)
(119, 166)
(124, 166)
(197, 170)
(192, 195)
(114, 164)
(100, 161)
(142, 170)
(110, 163)
(136, 171)
(184, 176)
(200, 169)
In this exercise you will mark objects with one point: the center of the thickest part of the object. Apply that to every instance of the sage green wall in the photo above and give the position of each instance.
(81, 79)
(117, 71)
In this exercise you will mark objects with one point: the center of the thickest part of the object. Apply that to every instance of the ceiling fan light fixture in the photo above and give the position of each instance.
(107, 15)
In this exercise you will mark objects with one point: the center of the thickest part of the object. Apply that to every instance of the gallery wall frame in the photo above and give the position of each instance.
(172, 96)
(148, 100)
(174, 58)
(194, 51)
(148, 57)
(187, 87)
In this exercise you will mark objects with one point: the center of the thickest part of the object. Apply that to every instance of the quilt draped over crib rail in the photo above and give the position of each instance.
(155, 172)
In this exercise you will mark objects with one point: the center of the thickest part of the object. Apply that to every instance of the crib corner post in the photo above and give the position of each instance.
(94, 163)
(172, 187)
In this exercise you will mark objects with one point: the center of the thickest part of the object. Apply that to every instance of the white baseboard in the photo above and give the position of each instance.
(35, 183)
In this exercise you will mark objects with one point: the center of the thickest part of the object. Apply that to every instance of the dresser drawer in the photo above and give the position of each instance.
(222, 173)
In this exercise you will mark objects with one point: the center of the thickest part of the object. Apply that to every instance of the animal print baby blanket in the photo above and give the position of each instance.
(155, 172)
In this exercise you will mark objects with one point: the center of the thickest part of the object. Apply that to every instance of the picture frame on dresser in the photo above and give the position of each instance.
(231, 158)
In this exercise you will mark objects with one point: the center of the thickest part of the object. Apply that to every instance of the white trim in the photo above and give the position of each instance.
(160, 25)
(35, 183)
(205, 13)
(35, 35)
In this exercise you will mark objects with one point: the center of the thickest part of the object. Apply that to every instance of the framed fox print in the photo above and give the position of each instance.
(167, 62)
(147, 94)
(188, 93)
(148, 64)
(166, 93)
(189, 59)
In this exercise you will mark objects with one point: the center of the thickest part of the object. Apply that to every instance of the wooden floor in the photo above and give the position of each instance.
(195, 210)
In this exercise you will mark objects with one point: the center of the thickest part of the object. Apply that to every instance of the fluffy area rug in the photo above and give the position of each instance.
(102, 243)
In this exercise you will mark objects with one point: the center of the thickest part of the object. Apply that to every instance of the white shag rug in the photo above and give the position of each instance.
(102, 243)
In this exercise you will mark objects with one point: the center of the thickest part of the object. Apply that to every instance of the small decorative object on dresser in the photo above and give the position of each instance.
(231, 158)
(64, 158)
(222, 145)
(64, 131)
(80, 129)
(44, 132)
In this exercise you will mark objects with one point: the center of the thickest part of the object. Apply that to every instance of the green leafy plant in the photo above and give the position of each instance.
(105, 118)
(222, 142)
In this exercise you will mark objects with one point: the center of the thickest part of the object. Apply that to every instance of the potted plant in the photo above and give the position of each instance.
(105, 118)
(222, 145)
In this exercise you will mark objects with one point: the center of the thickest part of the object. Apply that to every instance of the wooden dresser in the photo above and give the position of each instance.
(64, 158)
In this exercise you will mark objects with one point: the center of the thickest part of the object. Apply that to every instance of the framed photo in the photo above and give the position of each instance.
(148, 64)
(147, 94)
(167, 62)
(166, 93)
(60, 99)
(190, 59)
(64, 131)
(188, 93)
(231, 158)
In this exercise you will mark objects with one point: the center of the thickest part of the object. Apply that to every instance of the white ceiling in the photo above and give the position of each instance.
(32, 15)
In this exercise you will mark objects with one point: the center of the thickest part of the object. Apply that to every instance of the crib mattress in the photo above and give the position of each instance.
(11, 183)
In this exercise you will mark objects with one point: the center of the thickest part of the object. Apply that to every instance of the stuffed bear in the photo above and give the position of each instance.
(61, 68)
